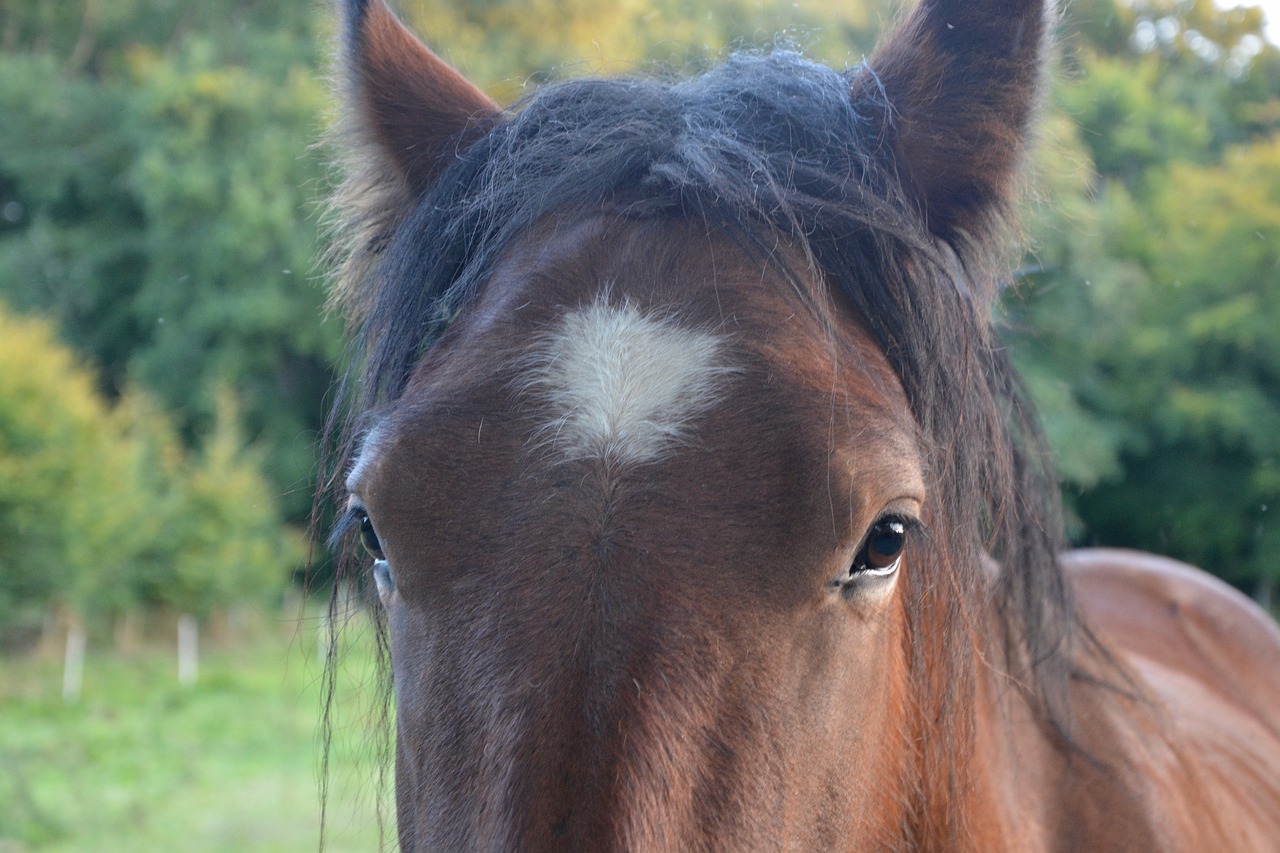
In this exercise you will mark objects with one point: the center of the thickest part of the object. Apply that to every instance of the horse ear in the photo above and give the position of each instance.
(402, 100)
(406, 114)
(959, 81)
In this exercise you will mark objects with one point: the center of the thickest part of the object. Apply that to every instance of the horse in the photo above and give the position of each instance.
(703, 506)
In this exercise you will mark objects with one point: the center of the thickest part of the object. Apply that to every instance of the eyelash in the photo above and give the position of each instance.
(349, 519)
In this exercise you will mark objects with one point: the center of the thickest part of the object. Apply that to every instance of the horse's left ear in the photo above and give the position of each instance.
(958, 82)
(400, 98)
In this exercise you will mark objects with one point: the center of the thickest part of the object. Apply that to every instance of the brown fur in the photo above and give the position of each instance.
(655, 656)
(674, 715)
(652, 673)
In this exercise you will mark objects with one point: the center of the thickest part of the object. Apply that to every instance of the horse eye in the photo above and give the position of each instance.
(370, 538)
(883, 548)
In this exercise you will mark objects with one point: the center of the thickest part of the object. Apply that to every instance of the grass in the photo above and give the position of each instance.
(231, 763)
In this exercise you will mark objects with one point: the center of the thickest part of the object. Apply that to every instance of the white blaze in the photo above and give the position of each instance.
(624, 385)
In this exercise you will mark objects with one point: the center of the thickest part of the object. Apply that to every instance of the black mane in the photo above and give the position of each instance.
(761, 142)
(757, 146)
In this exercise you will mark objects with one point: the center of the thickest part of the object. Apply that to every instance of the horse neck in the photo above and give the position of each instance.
(1033, 788)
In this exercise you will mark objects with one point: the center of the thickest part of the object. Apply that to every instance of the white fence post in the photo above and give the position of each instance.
(187, 652)
(73, 663)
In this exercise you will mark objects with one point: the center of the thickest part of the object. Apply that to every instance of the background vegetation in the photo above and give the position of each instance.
(229, 764)
(164, 356)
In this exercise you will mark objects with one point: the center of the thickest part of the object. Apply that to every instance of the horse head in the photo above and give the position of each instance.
(678, 440)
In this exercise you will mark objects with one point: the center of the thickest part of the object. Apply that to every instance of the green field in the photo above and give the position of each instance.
(141, 763)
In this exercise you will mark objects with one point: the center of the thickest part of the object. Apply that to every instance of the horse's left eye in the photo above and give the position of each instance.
(883, 548)
(370, 538)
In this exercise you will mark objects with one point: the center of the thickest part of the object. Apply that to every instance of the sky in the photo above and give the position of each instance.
(1270, 7)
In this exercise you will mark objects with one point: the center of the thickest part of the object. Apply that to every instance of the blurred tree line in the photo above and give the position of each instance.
(158, 185)
(1148, 317)
(105, 509)
(159, 207)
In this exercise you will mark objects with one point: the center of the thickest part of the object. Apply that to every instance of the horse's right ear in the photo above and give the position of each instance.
(403, 104)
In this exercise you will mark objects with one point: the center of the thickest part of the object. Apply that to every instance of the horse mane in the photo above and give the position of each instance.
(761, 145)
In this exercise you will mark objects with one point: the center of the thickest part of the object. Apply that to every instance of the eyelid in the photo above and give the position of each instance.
(906, 507)
(912, 524)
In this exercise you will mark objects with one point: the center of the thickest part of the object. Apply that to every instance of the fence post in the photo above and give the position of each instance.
(187, 652)
(73, 662)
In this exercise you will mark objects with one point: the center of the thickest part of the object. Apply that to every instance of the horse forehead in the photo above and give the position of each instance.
(623, 384)
(619, 343)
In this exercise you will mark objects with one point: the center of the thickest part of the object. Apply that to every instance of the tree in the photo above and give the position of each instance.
(158, 198)
(53, 458)
(102, 509)
(1149, 325)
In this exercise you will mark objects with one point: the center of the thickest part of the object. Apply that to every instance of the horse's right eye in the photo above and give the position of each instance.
(883, 547)
(882, 550)
(370, 538)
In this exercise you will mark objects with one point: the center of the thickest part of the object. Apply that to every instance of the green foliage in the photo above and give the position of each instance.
(1127, 129)
(1203, 369)
(159, 204)
(1154, 81)
(507, 45)
(51, 452)
(103, 509)
(1150, 314)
